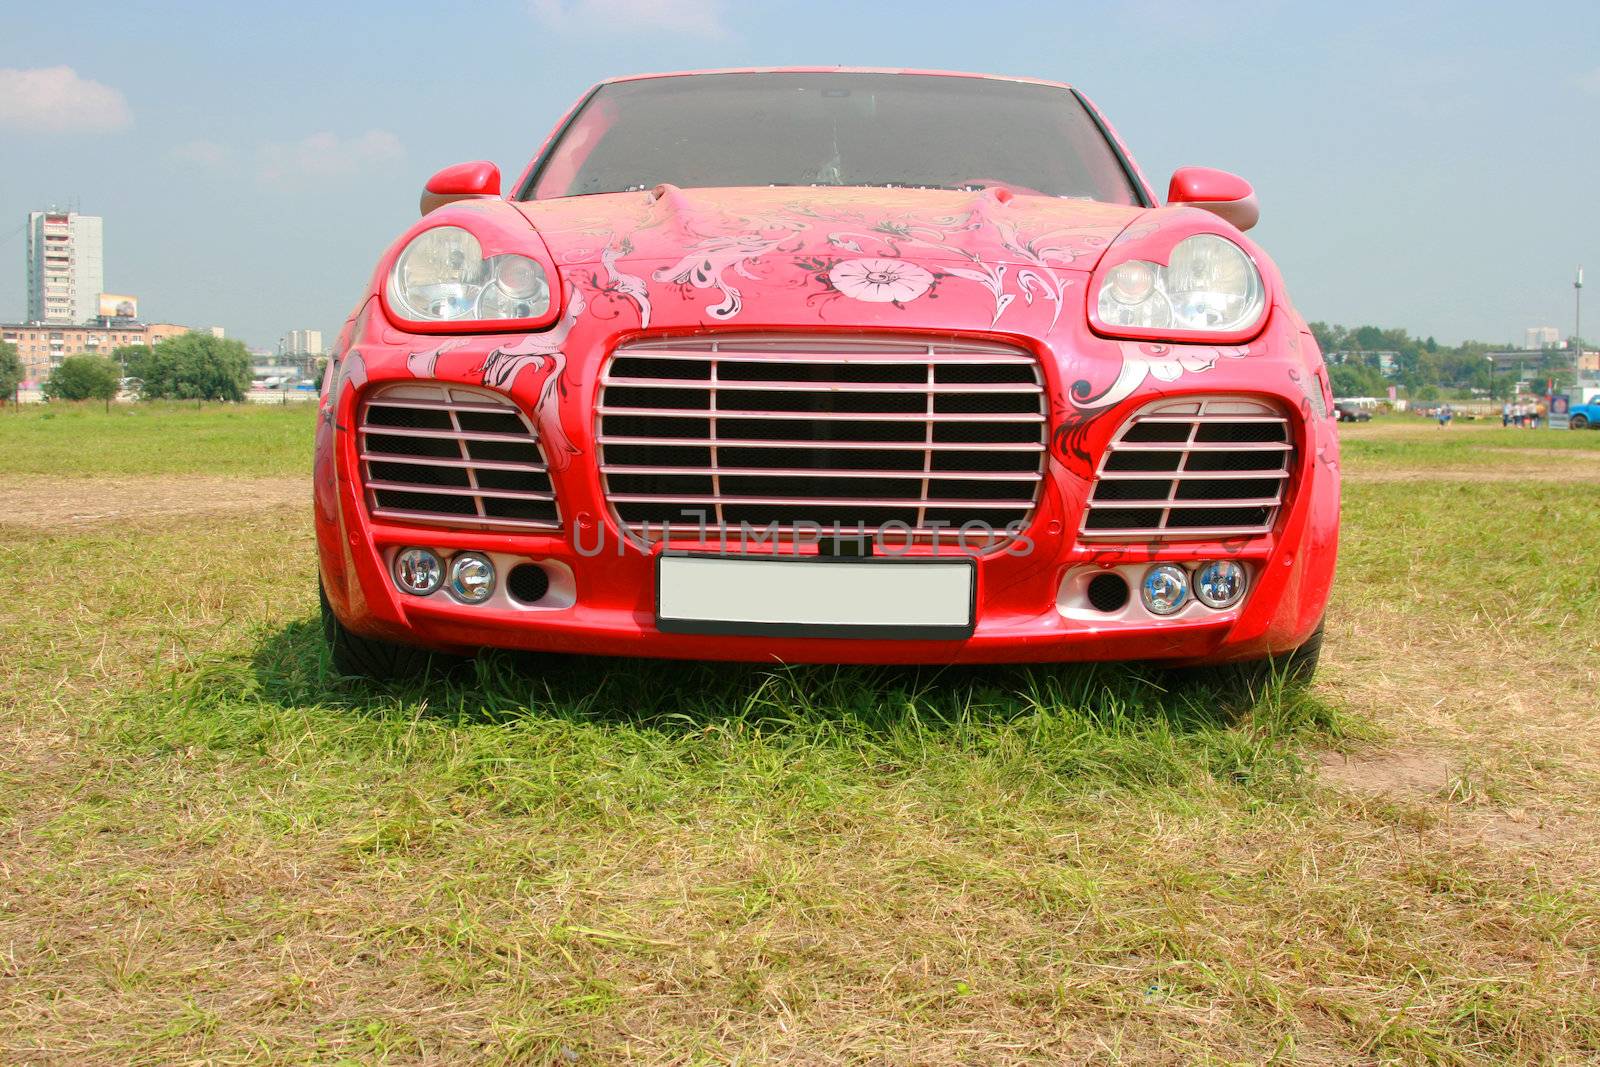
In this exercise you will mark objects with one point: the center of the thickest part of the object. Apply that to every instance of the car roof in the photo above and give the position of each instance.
(837, 70)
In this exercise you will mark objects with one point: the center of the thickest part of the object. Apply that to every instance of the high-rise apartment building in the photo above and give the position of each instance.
(301, 343)
(1541, 337)
(66, 266)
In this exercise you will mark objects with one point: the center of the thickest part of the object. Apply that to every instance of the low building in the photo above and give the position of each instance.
(41, 346)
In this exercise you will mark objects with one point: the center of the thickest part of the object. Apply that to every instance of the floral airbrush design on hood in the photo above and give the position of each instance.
(848, 247)
(1146, 359)
(707, 263)
(541, 353)
(1140, 360)
(879, 281)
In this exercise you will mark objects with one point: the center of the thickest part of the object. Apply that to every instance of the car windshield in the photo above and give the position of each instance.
(833, 129)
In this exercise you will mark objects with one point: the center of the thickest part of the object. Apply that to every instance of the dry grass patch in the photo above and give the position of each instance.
(51, 505)
(216, 851)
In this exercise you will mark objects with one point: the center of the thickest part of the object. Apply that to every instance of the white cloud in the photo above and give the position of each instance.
(1590, 82)
(699, 18)
(325, 156)
(57, 100)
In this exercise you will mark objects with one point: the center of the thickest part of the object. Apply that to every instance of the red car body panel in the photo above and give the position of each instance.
(711, 262)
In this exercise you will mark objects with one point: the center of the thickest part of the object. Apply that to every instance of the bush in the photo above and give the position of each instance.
(10, 371)
(84, 378)
(1349, 379)
(195, 366)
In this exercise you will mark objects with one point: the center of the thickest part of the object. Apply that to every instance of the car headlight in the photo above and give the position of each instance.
(1209, 285)
(442, 276)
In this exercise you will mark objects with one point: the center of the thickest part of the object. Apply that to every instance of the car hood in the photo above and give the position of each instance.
(712, 228)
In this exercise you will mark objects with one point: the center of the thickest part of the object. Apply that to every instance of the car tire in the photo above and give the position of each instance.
(1249, 679)
(372, 658)
(1578, 422)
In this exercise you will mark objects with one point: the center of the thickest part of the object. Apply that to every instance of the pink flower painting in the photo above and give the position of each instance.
(880, 281)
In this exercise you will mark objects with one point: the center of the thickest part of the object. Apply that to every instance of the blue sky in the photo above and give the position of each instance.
(1433, 166)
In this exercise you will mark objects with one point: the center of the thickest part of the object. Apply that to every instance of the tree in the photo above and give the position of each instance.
(1354, 379)
(195, 366)
(84, 378)
(1330, 338)
(132, 358)
(10, 372)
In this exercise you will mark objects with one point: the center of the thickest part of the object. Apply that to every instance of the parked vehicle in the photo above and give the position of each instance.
(1584, 416)
(828, 366)
(1351, 412)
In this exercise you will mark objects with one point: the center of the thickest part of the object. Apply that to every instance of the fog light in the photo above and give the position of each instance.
(1165, 589)
(1219, 584)
(418, 571)
(471, 578)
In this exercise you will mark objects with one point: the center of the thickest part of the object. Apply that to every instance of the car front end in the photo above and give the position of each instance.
(820, 423)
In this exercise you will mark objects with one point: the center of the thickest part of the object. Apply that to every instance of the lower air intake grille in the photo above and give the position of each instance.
(786, 434)
(441, 453)
(1191, 469)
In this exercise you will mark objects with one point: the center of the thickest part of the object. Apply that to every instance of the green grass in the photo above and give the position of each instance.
(82, 440)
(218, 850)
(1409, 443)
(1522, 554)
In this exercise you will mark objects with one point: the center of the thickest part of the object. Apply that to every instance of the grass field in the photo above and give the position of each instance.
(213, 850)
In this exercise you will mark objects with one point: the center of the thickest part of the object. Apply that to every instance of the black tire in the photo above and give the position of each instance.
(1579, 422)
(374, 659)
(1293, 670)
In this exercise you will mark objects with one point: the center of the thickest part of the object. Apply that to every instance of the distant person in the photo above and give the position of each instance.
(1444, 416)
(1505, 414)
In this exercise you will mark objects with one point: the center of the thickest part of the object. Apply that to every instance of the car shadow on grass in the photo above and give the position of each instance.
(590, 723)
(290, 667)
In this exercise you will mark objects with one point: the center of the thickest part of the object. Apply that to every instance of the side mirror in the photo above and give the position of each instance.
(1218, 192)
(461, 182)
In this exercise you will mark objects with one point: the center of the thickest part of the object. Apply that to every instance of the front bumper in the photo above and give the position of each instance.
(608, 607)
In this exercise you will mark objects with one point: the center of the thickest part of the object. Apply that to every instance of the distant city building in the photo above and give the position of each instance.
(1541, 337)
(41, 346)
(66, 266)
(1386, 362)
(218, 332)
(301, 343)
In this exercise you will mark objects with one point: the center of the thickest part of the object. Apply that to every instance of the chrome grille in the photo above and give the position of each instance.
(442, 453)
(848, 433)
(1201, 467)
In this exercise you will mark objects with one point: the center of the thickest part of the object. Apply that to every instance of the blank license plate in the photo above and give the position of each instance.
(815, 597)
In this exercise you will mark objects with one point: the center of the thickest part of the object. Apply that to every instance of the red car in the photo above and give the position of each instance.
(828, 365)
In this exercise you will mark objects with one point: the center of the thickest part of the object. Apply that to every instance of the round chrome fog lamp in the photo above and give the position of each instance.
(1219, 584)
(471, 578)
(1165, 589)
(418, 571)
